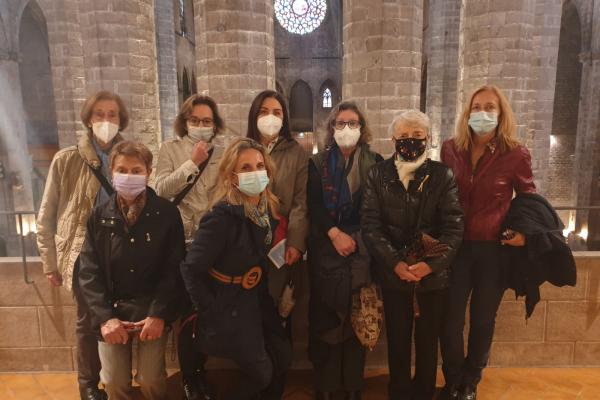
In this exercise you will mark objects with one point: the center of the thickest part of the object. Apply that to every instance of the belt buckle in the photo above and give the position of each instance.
(252, 277)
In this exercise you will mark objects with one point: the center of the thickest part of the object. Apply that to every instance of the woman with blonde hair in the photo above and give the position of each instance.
(489, 165)
(224, 272)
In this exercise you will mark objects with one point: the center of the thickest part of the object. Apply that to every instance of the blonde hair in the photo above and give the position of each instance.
(227, 190)
(506, 130)
(88, 107)
(413, 118)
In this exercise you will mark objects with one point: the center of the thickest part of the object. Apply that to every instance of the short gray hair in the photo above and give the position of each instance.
(411, 117)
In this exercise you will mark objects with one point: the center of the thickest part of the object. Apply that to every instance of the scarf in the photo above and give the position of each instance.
(133, 211)
(406, 169)
(337, 194)
(259, 215)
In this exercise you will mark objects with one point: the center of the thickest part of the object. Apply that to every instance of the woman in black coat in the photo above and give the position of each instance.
(129, 275)
(338, 260)
(397, 191)
(224, 273)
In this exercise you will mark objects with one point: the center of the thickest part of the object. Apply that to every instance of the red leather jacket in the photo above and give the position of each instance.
(485, 194)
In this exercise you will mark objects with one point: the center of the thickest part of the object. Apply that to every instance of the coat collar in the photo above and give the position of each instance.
(391, 173)
(283, 144)
(111, 211)
(86, 150)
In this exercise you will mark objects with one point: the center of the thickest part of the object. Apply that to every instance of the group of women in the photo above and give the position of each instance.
(426, 232)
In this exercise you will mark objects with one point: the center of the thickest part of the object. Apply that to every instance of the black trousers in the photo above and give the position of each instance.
(88, 361)
(191, 361)
(340, 367)
(399, 320)
(477, 272)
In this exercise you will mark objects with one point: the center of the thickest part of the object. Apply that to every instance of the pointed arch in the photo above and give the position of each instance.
(301, 107)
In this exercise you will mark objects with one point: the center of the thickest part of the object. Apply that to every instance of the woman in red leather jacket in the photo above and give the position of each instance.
(489, 165)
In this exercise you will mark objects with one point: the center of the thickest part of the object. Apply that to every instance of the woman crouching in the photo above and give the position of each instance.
(129, 275)
(224, 272)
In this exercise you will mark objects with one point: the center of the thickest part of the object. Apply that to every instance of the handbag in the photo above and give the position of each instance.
(366, 316)
(180, 196)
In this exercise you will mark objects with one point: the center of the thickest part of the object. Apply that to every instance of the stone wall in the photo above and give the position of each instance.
(37, 325)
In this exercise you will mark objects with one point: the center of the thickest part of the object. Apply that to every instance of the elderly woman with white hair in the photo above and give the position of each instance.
(412, 224)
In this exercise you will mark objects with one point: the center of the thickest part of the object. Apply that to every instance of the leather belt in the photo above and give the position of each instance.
(249, 280)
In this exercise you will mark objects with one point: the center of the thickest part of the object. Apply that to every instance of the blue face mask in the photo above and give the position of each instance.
(483, 122)
(253, 183)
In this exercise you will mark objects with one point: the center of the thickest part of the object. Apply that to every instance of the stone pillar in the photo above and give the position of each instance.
(442, 65)
(382, 60)
(546, 39)
(496, 47)
(587, 149)
(68, 71)
(166, 53)
(234, 54)
(120, 55)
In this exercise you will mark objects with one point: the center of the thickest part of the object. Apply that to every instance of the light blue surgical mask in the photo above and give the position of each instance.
(253, 183)
(483, 122)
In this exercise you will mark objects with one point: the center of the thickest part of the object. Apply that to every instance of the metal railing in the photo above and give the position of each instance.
(24, 224)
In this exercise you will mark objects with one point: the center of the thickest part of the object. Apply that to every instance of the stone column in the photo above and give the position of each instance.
(68, 71)
(587, 149)
(164, 17)
(546, 39)
(382, 60)
(234, 54)
(496, 47)
(442, 65)
(120, 55)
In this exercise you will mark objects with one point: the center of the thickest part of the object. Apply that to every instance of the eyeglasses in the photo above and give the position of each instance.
(342, 124)
(206, 122)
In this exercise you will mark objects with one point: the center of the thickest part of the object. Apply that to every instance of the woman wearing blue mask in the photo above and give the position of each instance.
(489, 165)
(224, 272)
(129, 275)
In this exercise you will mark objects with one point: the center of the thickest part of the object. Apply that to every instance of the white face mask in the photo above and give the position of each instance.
(269, 126)
(347, 137)
(200, 133)
(253, 183)
(105, 131)
(483, 122)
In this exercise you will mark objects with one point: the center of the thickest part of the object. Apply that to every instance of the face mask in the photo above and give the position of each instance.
(483, 122)
(200, 133)
(410, 149)
(347, 137)
(269, 126)
(105, 131)
(253, 183)
(129, 186)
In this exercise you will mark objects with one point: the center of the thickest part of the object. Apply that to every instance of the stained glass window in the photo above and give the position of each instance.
(327, 98)
(300, 16)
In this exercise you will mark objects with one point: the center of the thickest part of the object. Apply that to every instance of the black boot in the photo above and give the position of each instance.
(196, 389)
(92, 394)
(468, 392)
(353, 395)
(324, 396)
(450, 392)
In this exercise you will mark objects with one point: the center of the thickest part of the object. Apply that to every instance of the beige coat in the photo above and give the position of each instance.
(175, 169)
(289, 185)
(69, 197)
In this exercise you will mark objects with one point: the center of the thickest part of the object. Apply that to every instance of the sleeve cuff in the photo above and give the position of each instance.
(189, 168)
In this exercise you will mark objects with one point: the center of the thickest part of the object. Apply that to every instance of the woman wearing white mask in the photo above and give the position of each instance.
(224, 272)
(129, 275)
(187, 171)
(77, 181)
(338, 260)
(489, 165)
(268, 123)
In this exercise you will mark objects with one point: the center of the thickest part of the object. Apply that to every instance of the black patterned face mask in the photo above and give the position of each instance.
(409, 149)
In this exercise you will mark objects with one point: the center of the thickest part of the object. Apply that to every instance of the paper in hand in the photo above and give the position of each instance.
(277, 254)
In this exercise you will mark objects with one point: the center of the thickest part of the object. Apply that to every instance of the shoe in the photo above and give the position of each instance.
(450, 392)
(93, 394)
(353, 395)
(468, 392)
(196, 392)
(324, 396)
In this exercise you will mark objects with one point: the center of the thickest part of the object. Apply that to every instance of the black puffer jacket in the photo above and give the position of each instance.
(389, 218)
